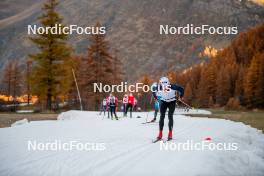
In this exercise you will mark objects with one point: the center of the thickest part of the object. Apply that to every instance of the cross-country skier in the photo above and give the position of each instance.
(168, 97)
(131, 102)
(112, 104)
(125, 101)
(104, 106)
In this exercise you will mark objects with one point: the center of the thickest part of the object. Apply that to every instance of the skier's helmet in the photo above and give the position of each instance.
(154, 84)
(164, 81)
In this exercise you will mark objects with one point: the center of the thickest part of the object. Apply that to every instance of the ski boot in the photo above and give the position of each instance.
(153, 120)
(159, 136)
(170, 135)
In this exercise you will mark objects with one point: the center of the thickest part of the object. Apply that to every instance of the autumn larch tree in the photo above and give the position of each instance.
(51, 72)
(235, 73)
(188, 95)
(27, 80)
(7, 79)
(118, 72)
(145, 96)
(97, 67)
(12, 81)
(254, 84)
(207, 84)
(223, 83)
(16, 82)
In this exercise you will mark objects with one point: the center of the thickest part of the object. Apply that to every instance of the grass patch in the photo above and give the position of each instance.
(252, 118)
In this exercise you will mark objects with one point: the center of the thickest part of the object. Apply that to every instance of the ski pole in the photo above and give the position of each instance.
(185, 104)
(151, 99)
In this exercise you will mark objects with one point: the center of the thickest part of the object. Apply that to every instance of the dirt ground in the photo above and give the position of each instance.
(6, 119)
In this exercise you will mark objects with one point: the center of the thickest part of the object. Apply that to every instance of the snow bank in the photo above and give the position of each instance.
(68, 115)
(191, 111)
(20, 122)
(24, 111)
(128, 147)
(75, 115)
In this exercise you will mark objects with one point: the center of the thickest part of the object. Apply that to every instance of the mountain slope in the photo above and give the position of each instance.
(133, 29)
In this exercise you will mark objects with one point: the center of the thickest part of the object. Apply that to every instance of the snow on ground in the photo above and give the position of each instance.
(128, 147)
(20, 122)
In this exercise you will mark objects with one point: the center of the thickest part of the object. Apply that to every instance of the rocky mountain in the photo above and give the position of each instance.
(133, 28)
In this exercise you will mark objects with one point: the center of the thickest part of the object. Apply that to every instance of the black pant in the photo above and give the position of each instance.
(124, 108)
(112, 111)
(163, 107)
(129, 106)
(156, 113)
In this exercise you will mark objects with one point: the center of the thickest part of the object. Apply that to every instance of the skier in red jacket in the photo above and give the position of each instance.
(131, 102)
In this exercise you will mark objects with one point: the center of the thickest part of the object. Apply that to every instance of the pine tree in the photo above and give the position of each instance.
(251, 82)
(98, 67)
(210, 102)
(202, 96)
(27, 80)
(145, 96)
(12, 80)
(211, 78)
(260, 82)
(223, 91)
(207, 84)
(254, 83)
(118, 72)
(16, 82)
(172, 76)
(7, 79)
(118, 68)
(239, 89)
(51, 72)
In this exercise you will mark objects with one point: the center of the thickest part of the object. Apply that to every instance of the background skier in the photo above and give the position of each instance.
(103, 106)
(131, 102)
(125, 101)
(112, 104)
